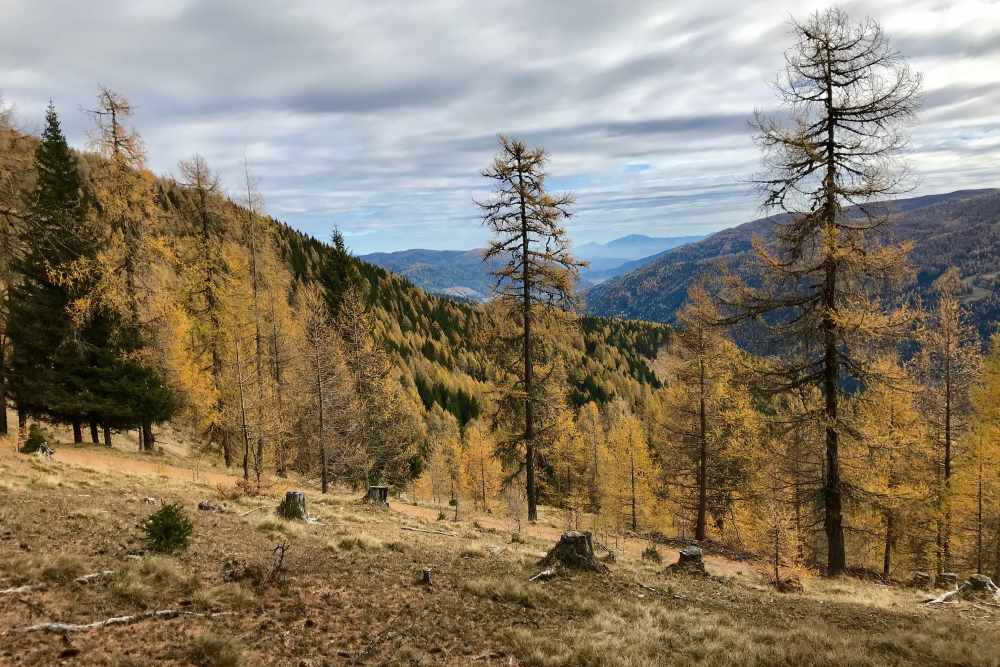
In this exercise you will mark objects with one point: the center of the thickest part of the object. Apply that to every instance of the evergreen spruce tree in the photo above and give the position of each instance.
(48, 363)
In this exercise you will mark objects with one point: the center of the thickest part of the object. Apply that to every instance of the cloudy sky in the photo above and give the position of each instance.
(378, 116)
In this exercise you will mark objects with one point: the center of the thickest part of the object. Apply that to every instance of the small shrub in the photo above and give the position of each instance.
(651, 554)
(168, 529)
(37, 438)
(231, 596)
(211, 651)
(361, 543)
(515, 538)
(441, 516)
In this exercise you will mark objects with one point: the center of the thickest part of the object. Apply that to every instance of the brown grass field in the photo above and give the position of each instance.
(349, 592)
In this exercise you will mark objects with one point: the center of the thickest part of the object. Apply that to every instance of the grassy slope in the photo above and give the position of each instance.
(350, 596)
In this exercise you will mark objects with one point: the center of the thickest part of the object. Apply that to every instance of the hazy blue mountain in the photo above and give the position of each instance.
(960, 229)
(463, 274)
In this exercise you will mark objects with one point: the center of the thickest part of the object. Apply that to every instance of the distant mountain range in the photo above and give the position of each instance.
(463, 274)
(960, 229)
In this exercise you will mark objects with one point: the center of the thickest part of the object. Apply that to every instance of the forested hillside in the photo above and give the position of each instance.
(960, 229)
(209, 256)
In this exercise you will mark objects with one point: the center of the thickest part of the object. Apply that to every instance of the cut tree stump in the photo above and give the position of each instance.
(378, 496)
(293, 506)
(425, 576)
(574, 550)
(691, 561)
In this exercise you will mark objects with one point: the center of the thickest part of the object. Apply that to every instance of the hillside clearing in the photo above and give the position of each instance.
(350, 595)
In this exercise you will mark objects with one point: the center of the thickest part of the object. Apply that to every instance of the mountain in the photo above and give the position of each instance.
(633, 246)
(458, 273)
(462, 274)
(960, 229)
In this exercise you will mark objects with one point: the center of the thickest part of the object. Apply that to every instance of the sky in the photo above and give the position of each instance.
(378, 117)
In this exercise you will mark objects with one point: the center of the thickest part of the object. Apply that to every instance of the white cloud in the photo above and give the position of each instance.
(377, 116)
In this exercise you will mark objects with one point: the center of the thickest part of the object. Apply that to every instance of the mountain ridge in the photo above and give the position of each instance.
(960, 228)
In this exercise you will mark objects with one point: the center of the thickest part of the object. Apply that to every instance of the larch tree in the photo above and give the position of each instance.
(203, 271)
(849, 95)
(15, 158)
(948, 361)
(255, 238)
(985, 439)
(590, 423)
(125, 198)
(568, 463)
(536, 275)
(890, 459)
(482, 469)
(320, 376)
(706, 414)
(630, 488)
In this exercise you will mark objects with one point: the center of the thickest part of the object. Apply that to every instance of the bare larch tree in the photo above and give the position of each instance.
(537, 270)
(849, 96)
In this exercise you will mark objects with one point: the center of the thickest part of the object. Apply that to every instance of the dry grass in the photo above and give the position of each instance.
(349, 594)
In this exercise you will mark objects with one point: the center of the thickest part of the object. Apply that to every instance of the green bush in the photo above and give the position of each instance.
(168, 529)
(36, 439)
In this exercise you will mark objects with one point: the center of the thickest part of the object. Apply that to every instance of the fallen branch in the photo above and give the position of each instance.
(23, 589)
(97, 625)
(63, 628)
(425, 530)
(547, 573)
(255, 509)
(31, 588)
(87, 578)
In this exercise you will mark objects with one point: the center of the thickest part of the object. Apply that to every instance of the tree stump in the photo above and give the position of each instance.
(574, 550)
(691, 562)
(981, 583)
(293, 506)
(946, 580)
(378, 496)
(921, 580)
(425, 576)
(977, 587)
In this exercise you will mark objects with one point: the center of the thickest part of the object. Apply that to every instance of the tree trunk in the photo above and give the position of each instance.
(529, 424)
(243, 416)
(3, 384)
(890, 537)
(22, 423)
(979, 519)
(631, 461)
(148, 439)
(107, 435)
(93, 432)
(77, 431)
(700, 527)
(946, 494)
(832, 500)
